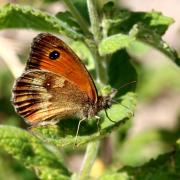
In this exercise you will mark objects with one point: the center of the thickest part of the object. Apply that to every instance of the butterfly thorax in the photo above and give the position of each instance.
(103, 102)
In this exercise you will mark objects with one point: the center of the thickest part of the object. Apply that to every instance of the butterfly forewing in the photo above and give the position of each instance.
(40, 96)
(67, 64)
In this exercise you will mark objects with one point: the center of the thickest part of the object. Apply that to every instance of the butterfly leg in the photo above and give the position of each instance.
(130, 111)
(98, 120)
(78, 130)
(109, 117)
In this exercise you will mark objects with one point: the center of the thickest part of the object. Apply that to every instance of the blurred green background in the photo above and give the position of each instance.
(155, 125)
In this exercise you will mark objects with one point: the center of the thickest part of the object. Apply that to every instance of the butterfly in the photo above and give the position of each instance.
(55, 85)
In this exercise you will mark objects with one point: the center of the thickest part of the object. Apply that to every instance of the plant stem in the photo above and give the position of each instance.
(96, 31)
(95, 20)
(92, 147)
(83, 24)
(101, 72)
(89, 158)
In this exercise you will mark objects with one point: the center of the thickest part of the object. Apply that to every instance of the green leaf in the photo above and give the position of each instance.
(164, 167)
(81, 5)
(122, 21)
(158, 21)
(121, 72)
(134, 149)
(115, 176)
(147, 27)
(16, 16)
(67, 18)
(50, 1)
(113, 43)
(155, 81)
(107, 8)
(64, 133)
(151, 37)
(32, 153)
(13, 169)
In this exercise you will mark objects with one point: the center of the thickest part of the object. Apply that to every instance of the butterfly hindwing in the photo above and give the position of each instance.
(40, 96)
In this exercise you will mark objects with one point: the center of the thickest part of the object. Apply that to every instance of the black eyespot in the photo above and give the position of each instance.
(54, 55)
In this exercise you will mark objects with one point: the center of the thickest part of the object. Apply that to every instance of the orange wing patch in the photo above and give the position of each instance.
(67, 64)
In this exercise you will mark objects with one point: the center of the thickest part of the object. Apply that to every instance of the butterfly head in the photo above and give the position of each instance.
(103, 102)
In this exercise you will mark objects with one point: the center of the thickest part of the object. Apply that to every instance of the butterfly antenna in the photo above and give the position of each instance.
(108, 116)
(132, 113)
(78, 130)
(116, 102)
(124, 85)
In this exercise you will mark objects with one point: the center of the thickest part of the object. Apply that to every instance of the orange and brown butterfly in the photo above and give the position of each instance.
(55, 85)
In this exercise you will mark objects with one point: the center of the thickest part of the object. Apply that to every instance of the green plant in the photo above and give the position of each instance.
(113, 40)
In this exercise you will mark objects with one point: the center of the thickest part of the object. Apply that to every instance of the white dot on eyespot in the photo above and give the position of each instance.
(48, 84)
